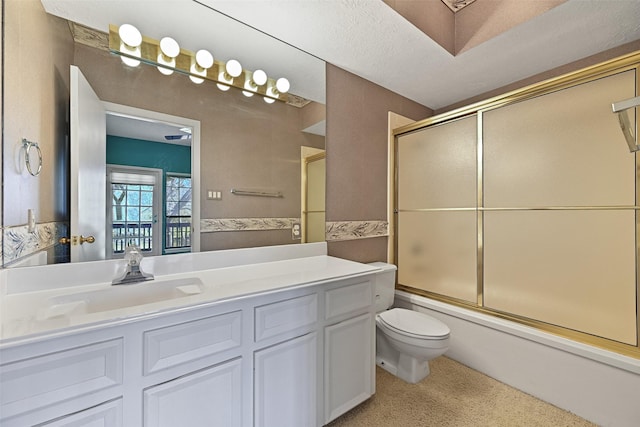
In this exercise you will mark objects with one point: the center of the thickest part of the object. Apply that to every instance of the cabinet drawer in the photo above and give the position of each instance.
(52, 378)
(108, 415)
(348, 299)
(185, 342)
(285, 316)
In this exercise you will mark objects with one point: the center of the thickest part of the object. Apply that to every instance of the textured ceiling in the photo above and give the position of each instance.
(368, 38)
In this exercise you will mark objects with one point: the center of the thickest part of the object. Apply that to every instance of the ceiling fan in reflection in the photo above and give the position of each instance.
(176, 137)
(181, 137)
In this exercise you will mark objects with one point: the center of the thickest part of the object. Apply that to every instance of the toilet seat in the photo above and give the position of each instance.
(413, 324)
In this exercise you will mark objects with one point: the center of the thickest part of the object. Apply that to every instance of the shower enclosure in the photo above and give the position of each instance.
(525, 207)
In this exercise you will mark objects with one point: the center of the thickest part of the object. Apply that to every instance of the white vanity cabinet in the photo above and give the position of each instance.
(106, 414)
(193, 369)
(296, 356)
(286, 383)
(285, 364)
(349, 348)
(48, 380)
(210, 397)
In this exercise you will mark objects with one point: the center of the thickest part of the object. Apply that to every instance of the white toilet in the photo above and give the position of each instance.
(405, 340)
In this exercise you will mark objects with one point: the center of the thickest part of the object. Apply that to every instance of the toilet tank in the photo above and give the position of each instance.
(385, 285)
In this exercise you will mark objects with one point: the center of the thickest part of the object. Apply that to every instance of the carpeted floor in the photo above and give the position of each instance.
(453, 395)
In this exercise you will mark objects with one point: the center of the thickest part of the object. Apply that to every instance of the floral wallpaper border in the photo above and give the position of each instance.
(18, 242)
(246, 224)
(353, 230)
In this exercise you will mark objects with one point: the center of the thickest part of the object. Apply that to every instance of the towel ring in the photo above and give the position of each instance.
(27, 148)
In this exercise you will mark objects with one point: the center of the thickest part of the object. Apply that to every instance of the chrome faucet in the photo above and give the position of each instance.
(133, 274)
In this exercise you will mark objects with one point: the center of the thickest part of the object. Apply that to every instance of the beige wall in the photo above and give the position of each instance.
(38, 51)
(357, 117)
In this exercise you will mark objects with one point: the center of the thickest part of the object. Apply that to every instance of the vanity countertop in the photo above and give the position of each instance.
(33, 314)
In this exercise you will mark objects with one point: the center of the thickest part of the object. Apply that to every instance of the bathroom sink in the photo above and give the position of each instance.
(121, 296)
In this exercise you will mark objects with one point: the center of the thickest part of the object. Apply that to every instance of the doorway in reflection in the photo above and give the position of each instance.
(150, 187)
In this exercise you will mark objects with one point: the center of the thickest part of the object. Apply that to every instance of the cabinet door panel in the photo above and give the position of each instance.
(208, 398)
(348, 363)
(62, 376)
(286, 384)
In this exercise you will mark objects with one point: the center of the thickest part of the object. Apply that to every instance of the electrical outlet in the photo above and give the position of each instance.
(296, 231)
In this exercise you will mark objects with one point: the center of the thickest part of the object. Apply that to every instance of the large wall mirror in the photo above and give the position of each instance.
(199, 141)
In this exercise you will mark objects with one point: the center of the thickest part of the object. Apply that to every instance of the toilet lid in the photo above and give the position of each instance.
(413, 323)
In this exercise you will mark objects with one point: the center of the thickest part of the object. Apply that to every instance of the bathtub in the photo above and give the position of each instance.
(598, 385)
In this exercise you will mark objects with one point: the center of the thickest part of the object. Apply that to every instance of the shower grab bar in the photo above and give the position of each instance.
(619, 108)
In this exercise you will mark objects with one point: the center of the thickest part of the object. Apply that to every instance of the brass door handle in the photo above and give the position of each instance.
(74, 240)
(88, 239)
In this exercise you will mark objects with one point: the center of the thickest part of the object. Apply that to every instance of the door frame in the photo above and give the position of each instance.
(158, 200)
(143, 114)
(318, 154)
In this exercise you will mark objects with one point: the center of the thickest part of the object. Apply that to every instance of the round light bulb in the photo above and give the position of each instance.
(259, 77)
(196, 80)
(129, 61)
(247, 93)
(169, 47)
(169, 62)
(222, 87)
(165, 71)
(233, 67)
(204, 58)
(282, 85)
(225, 78)
(269, 100)
(130, 35)
(129, 52)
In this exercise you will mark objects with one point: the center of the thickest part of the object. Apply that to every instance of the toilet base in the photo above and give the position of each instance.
(407, 368)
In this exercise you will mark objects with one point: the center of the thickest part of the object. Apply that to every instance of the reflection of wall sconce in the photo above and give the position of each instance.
(169, 50)
(625, 124)
(167, 55)
(131, 39)
(253, 82)
(200, 64)
(28, 160)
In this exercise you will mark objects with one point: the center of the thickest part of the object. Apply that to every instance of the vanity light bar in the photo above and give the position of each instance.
(148, 51)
